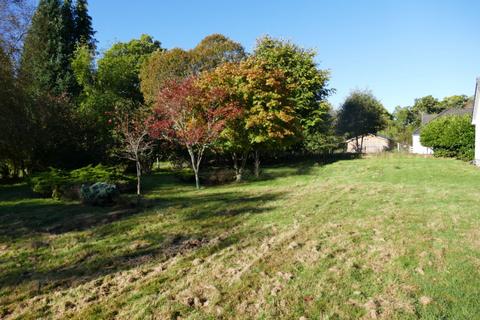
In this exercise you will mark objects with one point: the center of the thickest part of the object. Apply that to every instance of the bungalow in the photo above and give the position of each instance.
(371, 144)
(476, 122)
(417, 146)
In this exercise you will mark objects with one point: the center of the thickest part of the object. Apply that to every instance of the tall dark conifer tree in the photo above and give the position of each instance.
(67, 80)
(83, 25)
(68, 21)
(42, 61)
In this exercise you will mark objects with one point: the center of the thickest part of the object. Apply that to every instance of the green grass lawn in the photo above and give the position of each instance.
(388, 237)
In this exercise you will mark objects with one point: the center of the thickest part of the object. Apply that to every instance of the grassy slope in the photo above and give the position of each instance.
(387, 237)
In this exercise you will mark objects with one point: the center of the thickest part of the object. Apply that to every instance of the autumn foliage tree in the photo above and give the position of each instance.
(192, 116)
(269, 121)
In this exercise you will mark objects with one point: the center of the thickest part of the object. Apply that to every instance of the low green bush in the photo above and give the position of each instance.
(99, 194)
(48, 183)
(450, 136)
(63, 184)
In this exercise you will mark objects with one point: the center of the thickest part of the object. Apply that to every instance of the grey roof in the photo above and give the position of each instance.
(426, 118)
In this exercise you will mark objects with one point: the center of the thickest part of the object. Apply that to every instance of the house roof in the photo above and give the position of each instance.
(426, 118)
(476, 102)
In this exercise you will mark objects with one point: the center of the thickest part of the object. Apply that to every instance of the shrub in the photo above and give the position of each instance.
(63, 184)
(48, 183)
(99, 194)
(450, 136)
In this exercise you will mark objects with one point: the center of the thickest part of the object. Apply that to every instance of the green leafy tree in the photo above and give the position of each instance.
(15, 124)
(401, 125)
(84, 68)
(214, 50)
(450, 136)
(361, 114)
(113, 86)
(427, 104)
(454, 102)
(119, 68)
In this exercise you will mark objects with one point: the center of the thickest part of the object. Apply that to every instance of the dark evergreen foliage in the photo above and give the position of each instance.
(84, 32)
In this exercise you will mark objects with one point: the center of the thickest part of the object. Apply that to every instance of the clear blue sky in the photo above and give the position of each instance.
(400, 49)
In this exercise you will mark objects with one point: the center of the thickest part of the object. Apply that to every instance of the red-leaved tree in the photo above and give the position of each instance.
(192, 116)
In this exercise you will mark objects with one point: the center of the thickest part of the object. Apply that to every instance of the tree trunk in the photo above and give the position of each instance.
(361, 144)
(239, 168)
(238, 176)
(139, 177)
(197, 180)
(357, 145)
(257, 164)
(195, 166)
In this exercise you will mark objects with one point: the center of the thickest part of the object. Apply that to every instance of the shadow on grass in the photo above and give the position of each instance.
(24, 218)
(23, 214)
(15, 192)
(299, 165)
(195, 221)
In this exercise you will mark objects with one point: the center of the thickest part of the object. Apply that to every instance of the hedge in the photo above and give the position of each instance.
(450, 136)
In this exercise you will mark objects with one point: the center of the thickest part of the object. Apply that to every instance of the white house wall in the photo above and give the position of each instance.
(476, 122)
(417, 146)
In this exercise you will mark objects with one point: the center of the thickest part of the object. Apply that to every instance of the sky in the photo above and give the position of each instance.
(398, 49)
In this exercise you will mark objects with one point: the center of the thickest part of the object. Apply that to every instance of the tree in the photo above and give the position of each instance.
(361, 114)
(68, 20)
(161, 66)
(15, 17)
(131, 130)
(84, 33)
(43, 56)
(192, 116)
(450, 136)
(83, 67)
(15, 123)
(431, 105)
(427, 104)
(214, 50)
(401, 125)
(119, 68)
(323, 140)
(268, 121)
(300, 71)
(176, 63)
(454, 102)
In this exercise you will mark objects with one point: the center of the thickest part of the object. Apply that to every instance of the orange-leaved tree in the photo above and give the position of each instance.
(268, 121)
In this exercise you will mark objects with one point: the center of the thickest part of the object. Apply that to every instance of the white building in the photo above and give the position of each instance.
(417, 146)
(476, 122)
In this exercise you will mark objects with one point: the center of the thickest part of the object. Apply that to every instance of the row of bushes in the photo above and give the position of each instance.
(63, 184)
(450, 136)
